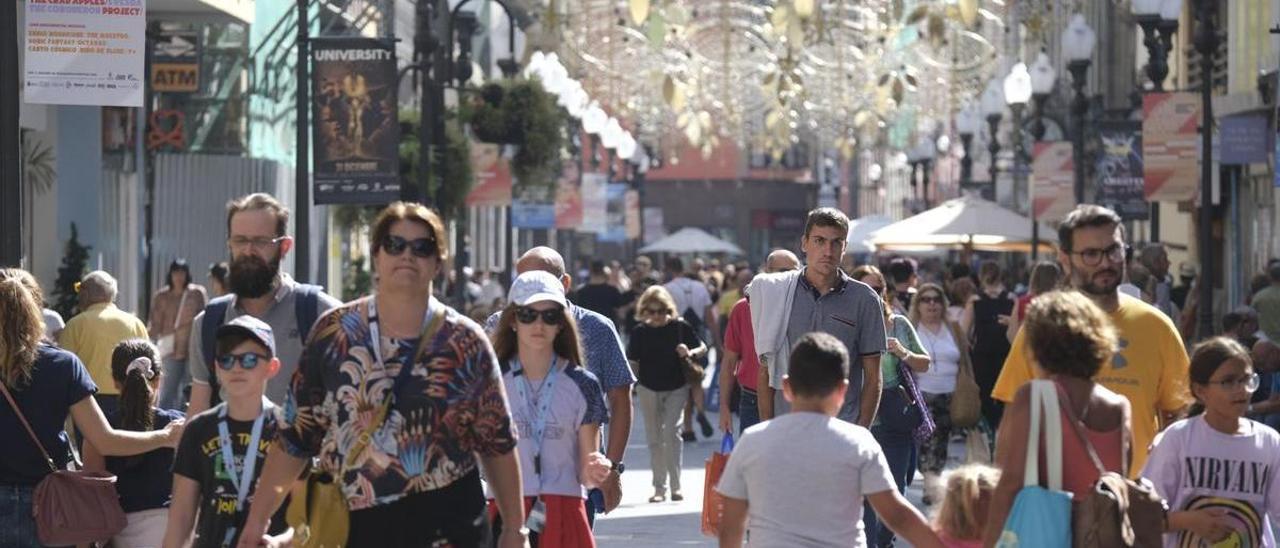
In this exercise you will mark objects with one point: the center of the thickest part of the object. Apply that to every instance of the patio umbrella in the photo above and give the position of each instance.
(691, 240)
(860, 232)
(967, 222)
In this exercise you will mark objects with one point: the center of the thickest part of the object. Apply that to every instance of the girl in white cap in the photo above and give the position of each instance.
(558, 408)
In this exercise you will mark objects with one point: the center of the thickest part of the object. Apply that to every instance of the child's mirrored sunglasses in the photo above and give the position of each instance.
(248, 360)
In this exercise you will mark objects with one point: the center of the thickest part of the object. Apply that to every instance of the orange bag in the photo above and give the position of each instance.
(712, 501)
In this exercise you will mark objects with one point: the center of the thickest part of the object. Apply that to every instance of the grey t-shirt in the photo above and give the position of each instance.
(818, 503)
(282, 316)
(853, 313)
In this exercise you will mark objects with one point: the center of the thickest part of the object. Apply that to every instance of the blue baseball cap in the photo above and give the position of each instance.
(251, 327)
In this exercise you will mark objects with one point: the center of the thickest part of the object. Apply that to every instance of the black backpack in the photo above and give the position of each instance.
(306, 306)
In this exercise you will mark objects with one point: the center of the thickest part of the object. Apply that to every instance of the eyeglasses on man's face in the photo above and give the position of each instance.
(1093, 256)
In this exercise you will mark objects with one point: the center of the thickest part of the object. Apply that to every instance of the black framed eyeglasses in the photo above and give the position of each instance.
(1250, 383)
(248, 361)
(242, 243)
(1093, 257)
(423, 248)
(528, 315)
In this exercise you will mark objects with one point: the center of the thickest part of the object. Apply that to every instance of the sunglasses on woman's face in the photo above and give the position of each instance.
(931, 300)
(248, 361)
(655, 311)
(423, 248)
(528, 315)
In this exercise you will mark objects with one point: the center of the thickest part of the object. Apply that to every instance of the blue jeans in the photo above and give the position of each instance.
(748, 410)
(176, 377)
(897, 449)
(17, 527)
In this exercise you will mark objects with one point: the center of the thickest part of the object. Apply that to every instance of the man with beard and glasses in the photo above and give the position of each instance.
(256, 238)
(1150, 366)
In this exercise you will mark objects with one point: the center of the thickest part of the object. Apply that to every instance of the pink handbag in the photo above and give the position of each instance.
(72, 506)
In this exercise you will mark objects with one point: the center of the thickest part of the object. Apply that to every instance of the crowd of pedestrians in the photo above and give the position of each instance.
(260, 411)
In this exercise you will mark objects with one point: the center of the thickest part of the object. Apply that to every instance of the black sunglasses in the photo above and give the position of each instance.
(930, 300)
(423, 248)
(248, 361)
(552, 316)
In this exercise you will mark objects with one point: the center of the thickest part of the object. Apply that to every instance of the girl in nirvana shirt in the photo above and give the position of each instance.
(1217, 469)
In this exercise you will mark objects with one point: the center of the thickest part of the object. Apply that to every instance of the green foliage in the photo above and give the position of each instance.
(521, 113)
(75, 264)
(456, 163)
(351, 216)
(37, 163)
(356, 280)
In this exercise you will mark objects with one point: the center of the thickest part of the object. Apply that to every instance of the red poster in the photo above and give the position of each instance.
(1053, 175)
(1170, 151)
(493, 177)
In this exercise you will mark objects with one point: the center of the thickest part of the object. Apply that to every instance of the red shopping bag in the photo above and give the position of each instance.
(712, 501)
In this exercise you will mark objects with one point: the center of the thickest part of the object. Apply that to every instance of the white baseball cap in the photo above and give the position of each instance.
(536, 286)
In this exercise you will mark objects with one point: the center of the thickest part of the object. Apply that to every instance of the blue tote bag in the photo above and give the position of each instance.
(1041, 517)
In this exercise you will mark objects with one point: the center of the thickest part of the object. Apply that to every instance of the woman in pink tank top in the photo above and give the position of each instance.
(1070, 338)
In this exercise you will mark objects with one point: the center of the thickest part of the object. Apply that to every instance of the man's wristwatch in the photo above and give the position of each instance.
(523, 531)
(619, 467)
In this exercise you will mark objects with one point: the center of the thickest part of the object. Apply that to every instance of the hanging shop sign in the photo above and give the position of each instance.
(85, 52)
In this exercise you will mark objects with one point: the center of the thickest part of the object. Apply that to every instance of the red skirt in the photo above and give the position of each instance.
(567, 525)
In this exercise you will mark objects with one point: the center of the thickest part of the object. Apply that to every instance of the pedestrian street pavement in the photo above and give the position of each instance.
(637, 523)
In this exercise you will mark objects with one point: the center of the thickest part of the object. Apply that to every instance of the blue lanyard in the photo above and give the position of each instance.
(375, 334)
(245, 481)
(540, 411)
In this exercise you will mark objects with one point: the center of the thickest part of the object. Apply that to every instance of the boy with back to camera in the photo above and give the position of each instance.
(800, 479)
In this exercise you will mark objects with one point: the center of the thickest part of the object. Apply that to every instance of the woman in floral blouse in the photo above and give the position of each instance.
(404, 444)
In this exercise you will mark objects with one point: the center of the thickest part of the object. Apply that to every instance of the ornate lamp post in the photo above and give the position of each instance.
(1043, 78)
(967, 123)
(1078, 41)
(1207, 45)
(1017, 92)
(993, 110)
(1159, 20)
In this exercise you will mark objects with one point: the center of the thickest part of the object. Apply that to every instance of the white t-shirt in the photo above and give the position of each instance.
(689, 294)
(1195, 466)
(944, 362)
(803, 476)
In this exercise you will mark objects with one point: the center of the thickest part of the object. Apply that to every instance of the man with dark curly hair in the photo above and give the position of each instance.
(1149, 367)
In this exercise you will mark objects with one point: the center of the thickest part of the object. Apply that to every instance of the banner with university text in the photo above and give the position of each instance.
(356, 130)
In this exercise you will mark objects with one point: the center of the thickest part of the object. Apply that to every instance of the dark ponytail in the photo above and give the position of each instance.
(134, 363)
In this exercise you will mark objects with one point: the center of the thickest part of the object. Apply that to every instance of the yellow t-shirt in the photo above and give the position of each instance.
(93, 335)
(1150, 370)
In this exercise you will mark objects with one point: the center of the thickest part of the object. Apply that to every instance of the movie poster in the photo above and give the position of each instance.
(355, 126)
(1120, 170)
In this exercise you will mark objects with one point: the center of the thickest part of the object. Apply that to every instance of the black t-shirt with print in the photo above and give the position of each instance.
(655, 349)
(199, 458)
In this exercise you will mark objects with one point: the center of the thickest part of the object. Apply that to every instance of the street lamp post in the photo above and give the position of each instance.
(1078, 41)
(1207, 45)
(1159, 20)
(1043, 78)
(967, 123)
(993, 111)
(1017, 92)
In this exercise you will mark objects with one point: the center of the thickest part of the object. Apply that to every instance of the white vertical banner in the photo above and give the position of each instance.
(85, 52)
(595, 201)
